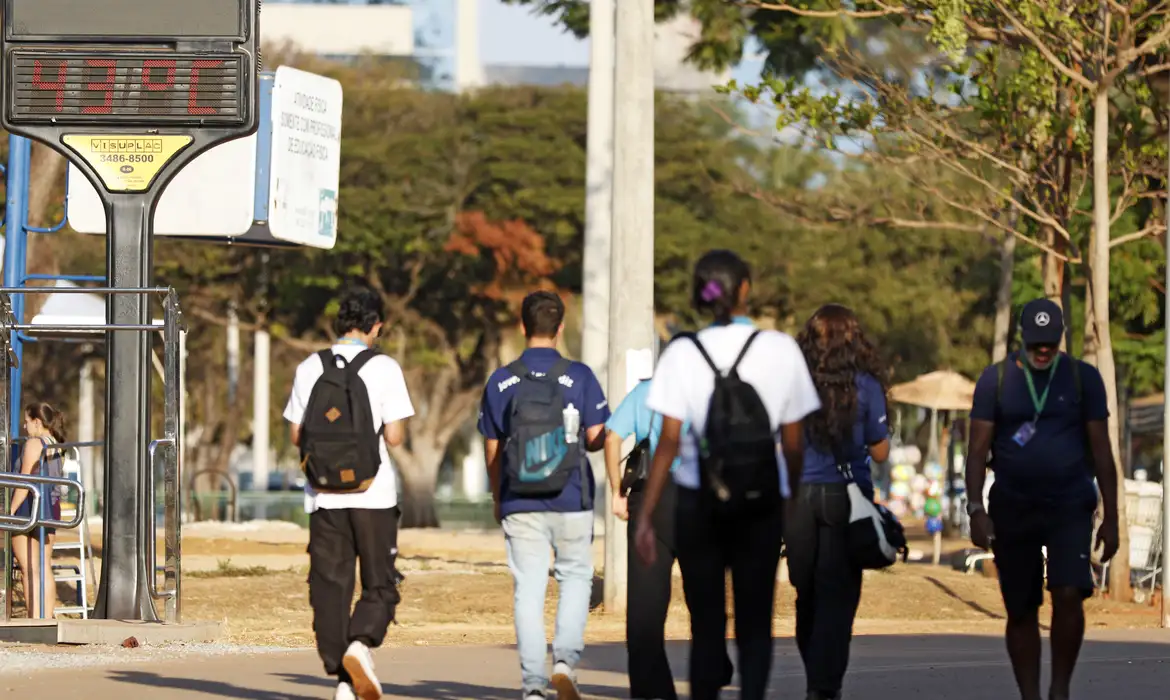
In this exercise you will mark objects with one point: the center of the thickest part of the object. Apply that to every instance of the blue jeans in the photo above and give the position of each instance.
(529, 536)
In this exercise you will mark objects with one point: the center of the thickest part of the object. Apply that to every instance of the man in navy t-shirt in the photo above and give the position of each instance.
(543, 489)
(1043, 416)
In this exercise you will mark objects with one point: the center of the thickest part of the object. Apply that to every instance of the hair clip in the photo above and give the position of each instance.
(712, 291)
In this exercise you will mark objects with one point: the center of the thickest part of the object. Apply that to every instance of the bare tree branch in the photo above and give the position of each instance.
(1151, 230)
(1042, 47)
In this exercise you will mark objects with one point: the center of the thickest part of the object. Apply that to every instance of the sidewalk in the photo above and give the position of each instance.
(1125, 664)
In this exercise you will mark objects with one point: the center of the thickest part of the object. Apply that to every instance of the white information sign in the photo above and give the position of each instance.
(214, 195)
(306, 158)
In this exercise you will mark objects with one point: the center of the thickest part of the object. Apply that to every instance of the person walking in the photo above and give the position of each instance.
(348, 405)
(850, 428)
(539, 416)
(1040, 421)
(738, 388)
(648, 590)
(45, 428)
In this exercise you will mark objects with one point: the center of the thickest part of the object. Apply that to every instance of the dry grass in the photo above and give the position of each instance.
(458, 591)
(452, 604)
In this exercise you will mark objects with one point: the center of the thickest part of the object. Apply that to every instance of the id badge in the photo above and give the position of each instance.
(1026, 432)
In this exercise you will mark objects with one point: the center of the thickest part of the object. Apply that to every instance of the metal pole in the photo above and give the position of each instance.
(86, 430)
(260, 389)
(16, 220)
(128, 520)
(1165, 435)
(181, 448)
(631, 292)
(598, 212)
(233, 352)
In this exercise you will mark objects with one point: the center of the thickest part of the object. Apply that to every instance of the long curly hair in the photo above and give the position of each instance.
(837, 350)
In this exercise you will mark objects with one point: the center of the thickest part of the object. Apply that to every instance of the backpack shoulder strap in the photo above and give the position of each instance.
(560, 368)
(326, 358)
(518, 368)
(702, 351)
(751, 339)
(355, 365)
(1000, 373)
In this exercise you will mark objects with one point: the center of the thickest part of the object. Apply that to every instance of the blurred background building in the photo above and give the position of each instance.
(445, 38)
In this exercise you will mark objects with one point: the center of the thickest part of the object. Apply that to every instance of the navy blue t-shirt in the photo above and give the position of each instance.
(1055, 464)
(581, 389)
(871, 427)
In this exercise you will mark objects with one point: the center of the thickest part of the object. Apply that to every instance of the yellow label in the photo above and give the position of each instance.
(126, 163)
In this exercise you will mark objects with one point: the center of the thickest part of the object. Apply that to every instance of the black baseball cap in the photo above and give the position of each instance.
(1041, 323)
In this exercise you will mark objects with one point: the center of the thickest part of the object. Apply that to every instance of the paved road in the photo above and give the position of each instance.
(1116, 665)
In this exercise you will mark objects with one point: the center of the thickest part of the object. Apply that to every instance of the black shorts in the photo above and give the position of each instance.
(1022, 529)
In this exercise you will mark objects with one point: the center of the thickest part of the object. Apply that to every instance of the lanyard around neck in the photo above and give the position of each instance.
(1038, 402)
(351, 341)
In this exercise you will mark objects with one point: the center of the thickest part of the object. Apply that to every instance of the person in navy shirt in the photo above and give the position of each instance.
(850, 427)
(562, 520)
(1042, 417)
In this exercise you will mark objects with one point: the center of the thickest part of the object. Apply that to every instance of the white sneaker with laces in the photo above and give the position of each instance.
(359, 664)
(565, 682)
(344, 692)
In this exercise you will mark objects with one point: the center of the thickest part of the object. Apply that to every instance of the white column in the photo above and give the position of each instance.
(631, 292)
(475, 481)
(468, 67)
(598, 212)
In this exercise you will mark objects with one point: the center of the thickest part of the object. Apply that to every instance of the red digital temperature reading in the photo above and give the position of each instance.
(71, 88)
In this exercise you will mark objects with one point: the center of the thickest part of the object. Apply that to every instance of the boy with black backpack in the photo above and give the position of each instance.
(539, 417)
(347, 406)
(742, 391)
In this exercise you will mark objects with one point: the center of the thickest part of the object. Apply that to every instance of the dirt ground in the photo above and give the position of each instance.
(458, 591)
(252, 577)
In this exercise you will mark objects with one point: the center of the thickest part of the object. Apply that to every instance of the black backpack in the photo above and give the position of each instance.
(339, 444)
(737, 452)
(538, 459)
(637, 467)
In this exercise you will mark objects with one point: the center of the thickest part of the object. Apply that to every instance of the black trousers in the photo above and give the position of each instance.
(828, 585)
(709, 544)
(337, 540)
(648, 602)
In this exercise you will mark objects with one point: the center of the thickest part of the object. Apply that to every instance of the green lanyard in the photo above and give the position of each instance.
(1039, 401)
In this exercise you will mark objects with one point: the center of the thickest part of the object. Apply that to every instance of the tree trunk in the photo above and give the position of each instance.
(1003, 297)
(1053, 277)
(419, 471)
(1119, 583)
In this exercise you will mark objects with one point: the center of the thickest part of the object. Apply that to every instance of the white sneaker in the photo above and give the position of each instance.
(534, 695)
(344, 692)
(565, 682)
(359, 664)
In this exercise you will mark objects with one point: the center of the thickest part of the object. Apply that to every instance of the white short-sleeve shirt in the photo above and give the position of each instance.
(389, 402)
(683, 384)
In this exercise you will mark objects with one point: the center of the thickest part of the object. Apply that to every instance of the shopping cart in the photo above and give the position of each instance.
(1143, 514)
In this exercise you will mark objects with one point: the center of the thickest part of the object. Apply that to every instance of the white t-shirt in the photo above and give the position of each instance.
(389, 402)
(683, 384)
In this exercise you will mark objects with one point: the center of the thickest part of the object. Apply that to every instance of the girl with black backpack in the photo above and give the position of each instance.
(739, 389)
(850, 430)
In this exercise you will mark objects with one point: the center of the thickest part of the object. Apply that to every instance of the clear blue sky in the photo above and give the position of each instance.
(514, 35)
